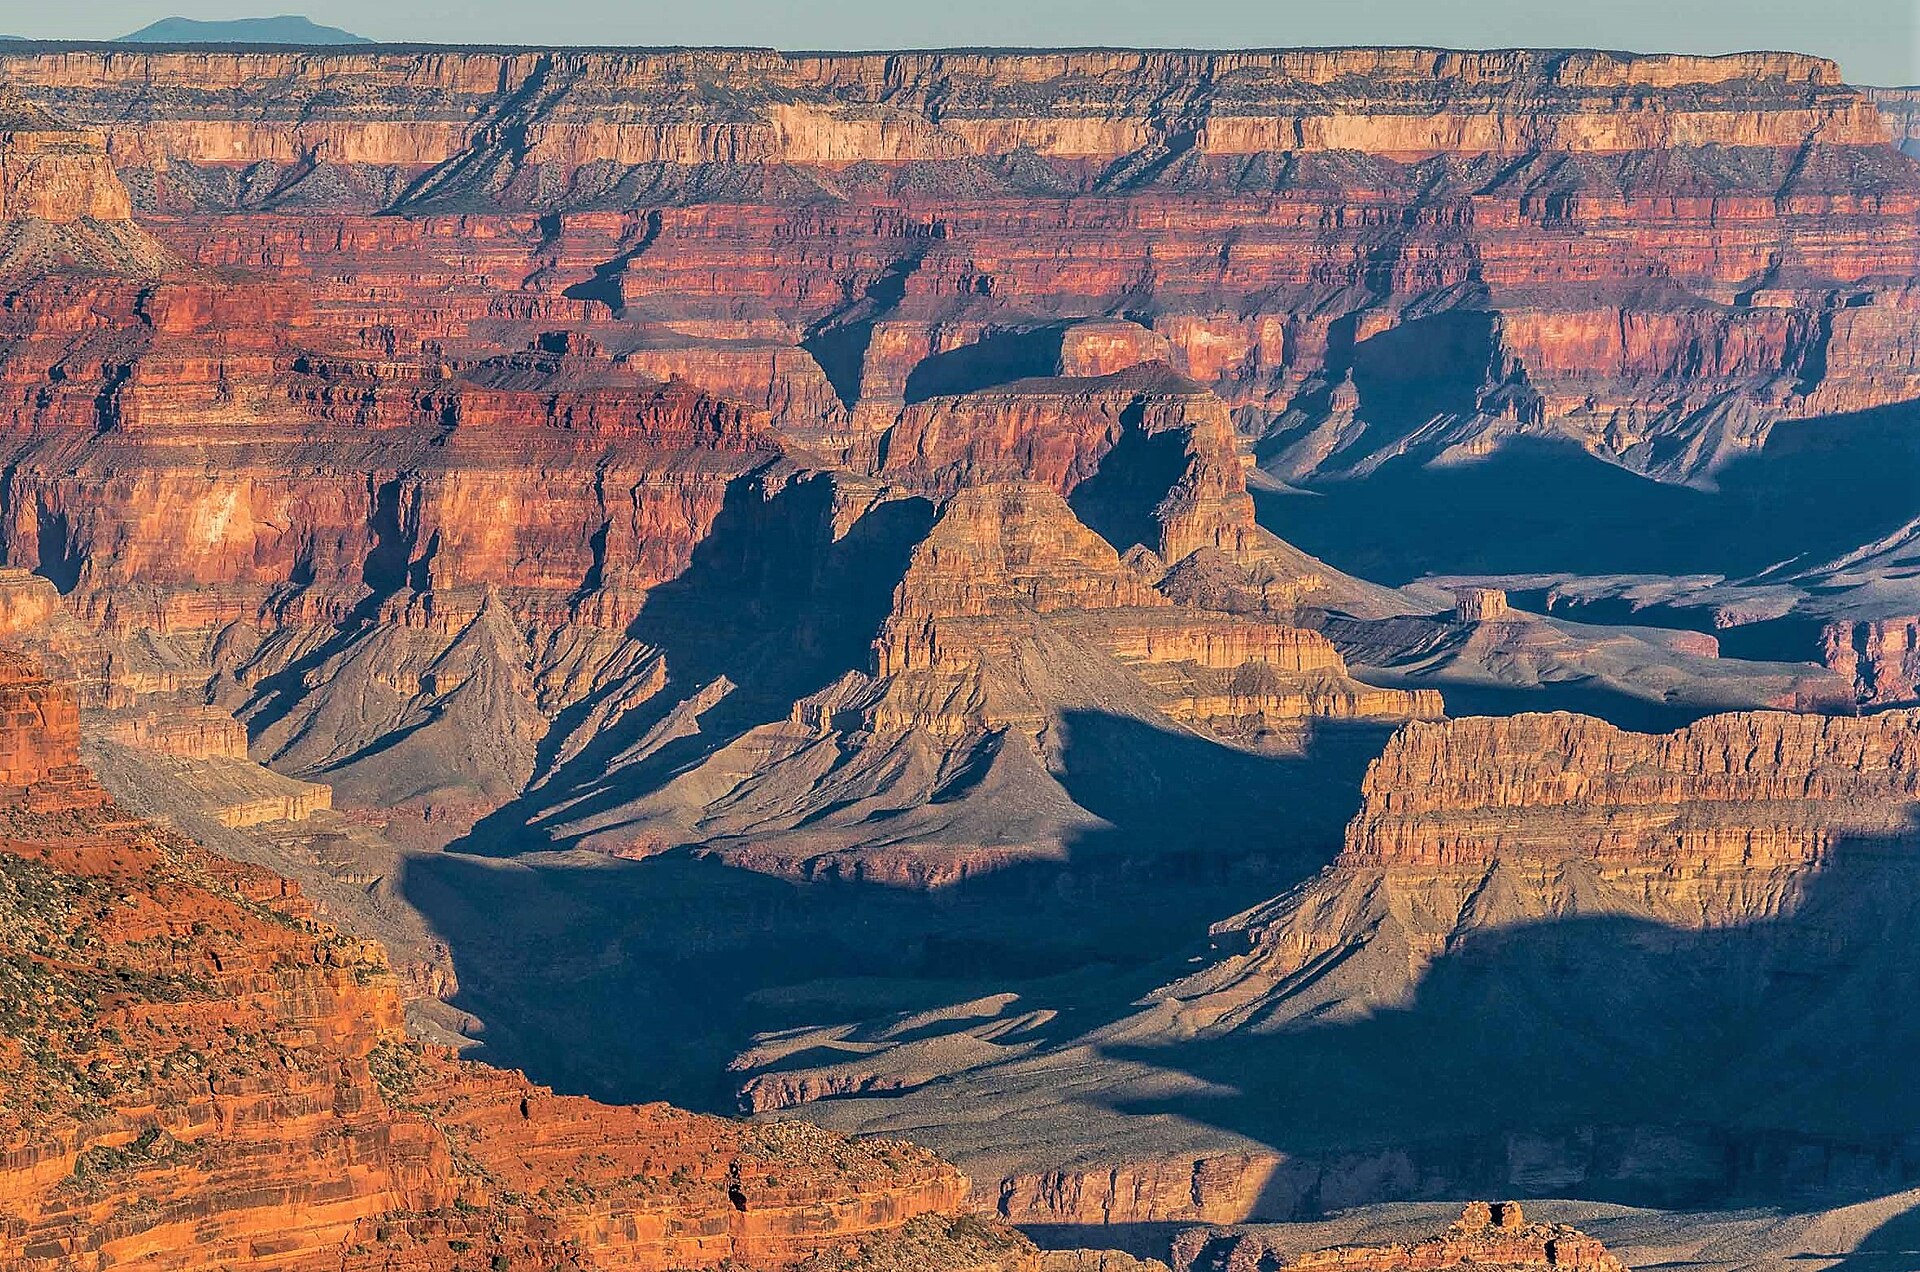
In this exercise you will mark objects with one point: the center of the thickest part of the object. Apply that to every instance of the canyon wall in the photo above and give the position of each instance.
(1494, 1236)
(1750, 792)
(575, 108)
(1655, 258)
(1475, 824)
(1900, 107)
(199, 1074)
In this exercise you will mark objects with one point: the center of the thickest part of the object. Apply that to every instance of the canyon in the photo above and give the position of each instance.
(807, 585)
(200, 1074)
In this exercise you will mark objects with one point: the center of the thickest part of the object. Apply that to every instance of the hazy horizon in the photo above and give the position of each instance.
(1875, 41)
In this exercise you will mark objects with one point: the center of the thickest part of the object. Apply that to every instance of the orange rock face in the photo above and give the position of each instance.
(39, 727)
(1493, 1237)
(893, 108)
(198, 1075)
(1880, 656)
(1467, 825)
(1666, 313)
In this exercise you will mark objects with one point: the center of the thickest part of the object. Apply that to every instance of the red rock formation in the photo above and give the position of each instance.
(1494, 1237)
(1880, 656)
(53, 173)
(839, 110)
(1471, 825)
(197, 735)
(1227, 1188)
(1663, 312)
(198, 1076)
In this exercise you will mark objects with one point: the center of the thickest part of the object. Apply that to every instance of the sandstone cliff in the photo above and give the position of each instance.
(504, 117)
(1663, 311)
(61, 203)
(201, 1076)
(1480, 823)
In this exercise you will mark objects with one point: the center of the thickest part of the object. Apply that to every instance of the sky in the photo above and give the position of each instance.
(1875, 41)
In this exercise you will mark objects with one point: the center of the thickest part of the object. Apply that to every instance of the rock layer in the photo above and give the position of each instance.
(1496, 1237)
(199, 1075)
(856, 476)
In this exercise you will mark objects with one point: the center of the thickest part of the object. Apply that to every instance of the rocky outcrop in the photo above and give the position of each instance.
(1742, 791)
(1479, 605)
(1881, 657)
(940, 760)
(201, 734)
(39, 727)
(53, 173)
(1227, 1188)
(972, 1243)
(61, 203)
(200, 1075)
(1495, 1237)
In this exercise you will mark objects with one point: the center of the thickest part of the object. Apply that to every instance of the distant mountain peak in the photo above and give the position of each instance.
(288, 28)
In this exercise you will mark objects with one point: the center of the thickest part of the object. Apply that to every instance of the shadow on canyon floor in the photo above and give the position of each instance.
(1608, 1058)
(1892, 1247)
(1819, 488)
(642, 979)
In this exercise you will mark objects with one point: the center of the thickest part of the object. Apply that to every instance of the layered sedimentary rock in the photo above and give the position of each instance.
(1880, 656)
(1605, 944)
(61, 203)
(41, 734)
(54, 173)
(201, 1076)
(1750, 791)
(1496, 1237)
(1485, 822)
(1284, 222)
(836, 110)
(941, 758)
(857, 477)
(972, 1243)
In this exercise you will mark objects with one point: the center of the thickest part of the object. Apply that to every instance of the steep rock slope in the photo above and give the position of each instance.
(1900, 107)
(1645, 966)
(61, 203)
(199, 1075)
(1654, 257)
